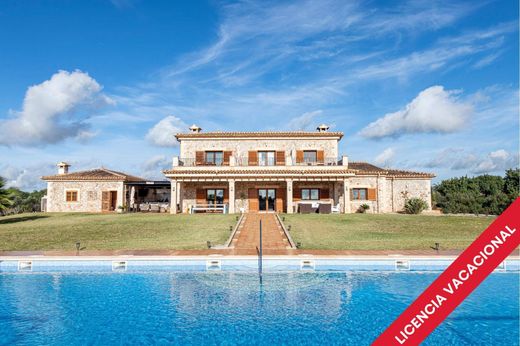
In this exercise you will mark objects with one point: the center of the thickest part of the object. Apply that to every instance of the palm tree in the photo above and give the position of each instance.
(5, 196)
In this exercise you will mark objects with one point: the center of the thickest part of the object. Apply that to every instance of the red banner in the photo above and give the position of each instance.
(479, 260)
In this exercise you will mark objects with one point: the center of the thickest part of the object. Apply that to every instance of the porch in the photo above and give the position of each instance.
(240, 196)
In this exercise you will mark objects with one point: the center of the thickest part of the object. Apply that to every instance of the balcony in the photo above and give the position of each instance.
(246, 162)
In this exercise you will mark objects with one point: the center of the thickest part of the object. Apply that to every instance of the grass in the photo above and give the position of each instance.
(384, 231)
(61, 231)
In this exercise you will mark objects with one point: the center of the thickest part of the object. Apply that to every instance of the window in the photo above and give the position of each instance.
(266, 158)
(311, 194)
(310, 156)
(71, 196)
(215, 196)
(214, 157)
(359, 194)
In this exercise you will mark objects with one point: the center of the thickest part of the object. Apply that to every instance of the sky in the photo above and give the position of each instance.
(428, 86)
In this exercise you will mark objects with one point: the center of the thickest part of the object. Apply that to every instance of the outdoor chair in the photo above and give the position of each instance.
(305, 208)
(335, 209)
(325, 208)
(154, 208)
(144, 207)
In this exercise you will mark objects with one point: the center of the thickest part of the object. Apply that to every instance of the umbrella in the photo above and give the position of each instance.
(132, 196)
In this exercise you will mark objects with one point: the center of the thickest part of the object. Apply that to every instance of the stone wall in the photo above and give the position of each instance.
(391, 193)
(407, 188)
(240, 147)
(89, 195)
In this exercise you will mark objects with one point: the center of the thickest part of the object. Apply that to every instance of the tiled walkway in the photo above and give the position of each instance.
(248, 235)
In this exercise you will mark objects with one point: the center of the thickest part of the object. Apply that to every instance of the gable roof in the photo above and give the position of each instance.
(98, 174)
(365, 168)
(258, 134)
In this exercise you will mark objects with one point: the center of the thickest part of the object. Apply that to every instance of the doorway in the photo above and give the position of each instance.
(266, 199)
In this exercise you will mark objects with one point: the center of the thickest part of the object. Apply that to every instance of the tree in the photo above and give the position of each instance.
(5, 196)
(485, 194)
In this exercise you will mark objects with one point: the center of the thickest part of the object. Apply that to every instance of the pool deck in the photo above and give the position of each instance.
(86, 254)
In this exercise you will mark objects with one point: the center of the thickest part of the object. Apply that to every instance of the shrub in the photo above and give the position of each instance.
(415, 205)
(363, 208)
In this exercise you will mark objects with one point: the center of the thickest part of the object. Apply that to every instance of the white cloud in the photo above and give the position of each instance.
(433, 110)
(25, 179)
(459, 159)
(385, 158)
(54, 110)
(152, 168)
(496, 161)
(306, 121)
(163, 133)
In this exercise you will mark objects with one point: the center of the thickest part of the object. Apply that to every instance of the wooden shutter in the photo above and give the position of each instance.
(280, 200)
(320, 156)
(227, 155)
(105, 201)
(280, 158)
(201, 196)
(253, 200)
(324, 193)
(299, 156)
(226, 195)
(371, 194)
(297, 194)
(253, 158)
(199, 158)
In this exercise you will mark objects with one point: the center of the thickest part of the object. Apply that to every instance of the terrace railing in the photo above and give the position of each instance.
(244, 161)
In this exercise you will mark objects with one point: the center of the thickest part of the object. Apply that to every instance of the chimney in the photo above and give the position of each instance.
(322, 128)
(63, 168)
(195, 129)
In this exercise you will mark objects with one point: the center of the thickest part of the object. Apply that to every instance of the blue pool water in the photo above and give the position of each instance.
(228, 308)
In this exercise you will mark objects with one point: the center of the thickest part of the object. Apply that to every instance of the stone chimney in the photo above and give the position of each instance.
(195, 129)
(63, 168)
(322, 128)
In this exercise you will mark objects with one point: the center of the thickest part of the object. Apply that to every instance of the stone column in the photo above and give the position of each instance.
(289, 196)
(346, 197)
(231, 196)
(173, 197)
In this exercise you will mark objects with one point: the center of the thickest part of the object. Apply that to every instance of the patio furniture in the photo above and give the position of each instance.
(335, 209)
(144, 207)
(209, 208)
(305, 208)
(154, 207)
(325, 208)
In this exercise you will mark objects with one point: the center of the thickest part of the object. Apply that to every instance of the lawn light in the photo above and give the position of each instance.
(208, 243)
(437, 246)
(231, 228)
(78, 246)
(298, 245)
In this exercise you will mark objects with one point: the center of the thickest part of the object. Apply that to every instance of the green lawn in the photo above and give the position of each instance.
(385, 231)
(60, 231)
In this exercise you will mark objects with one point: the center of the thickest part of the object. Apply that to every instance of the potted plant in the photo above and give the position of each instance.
(121, 208)
(363, 208)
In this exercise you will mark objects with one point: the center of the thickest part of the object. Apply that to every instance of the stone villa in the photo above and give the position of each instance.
(287, 172)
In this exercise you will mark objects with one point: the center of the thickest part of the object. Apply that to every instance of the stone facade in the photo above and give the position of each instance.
(241, 146)
(89, 195)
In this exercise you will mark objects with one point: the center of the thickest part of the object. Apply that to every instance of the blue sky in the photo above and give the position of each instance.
(421, 85)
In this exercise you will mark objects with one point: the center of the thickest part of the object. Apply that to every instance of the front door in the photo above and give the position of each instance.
(266, 199)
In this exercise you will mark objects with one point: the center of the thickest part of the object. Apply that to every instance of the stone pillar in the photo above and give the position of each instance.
(173, 197)
(289, 196)
(346, 197)
(231, 196)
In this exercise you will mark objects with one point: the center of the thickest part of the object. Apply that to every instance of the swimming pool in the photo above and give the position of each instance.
(227, 308)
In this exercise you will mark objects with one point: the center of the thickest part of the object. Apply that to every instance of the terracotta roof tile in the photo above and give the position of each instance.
(367, 168)
(94, 175)
(258, 134)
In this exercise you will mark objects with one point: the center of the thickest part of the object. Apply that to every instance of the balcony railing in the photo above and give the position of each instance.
(244, 161)
(328, 161)
(191, 162)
